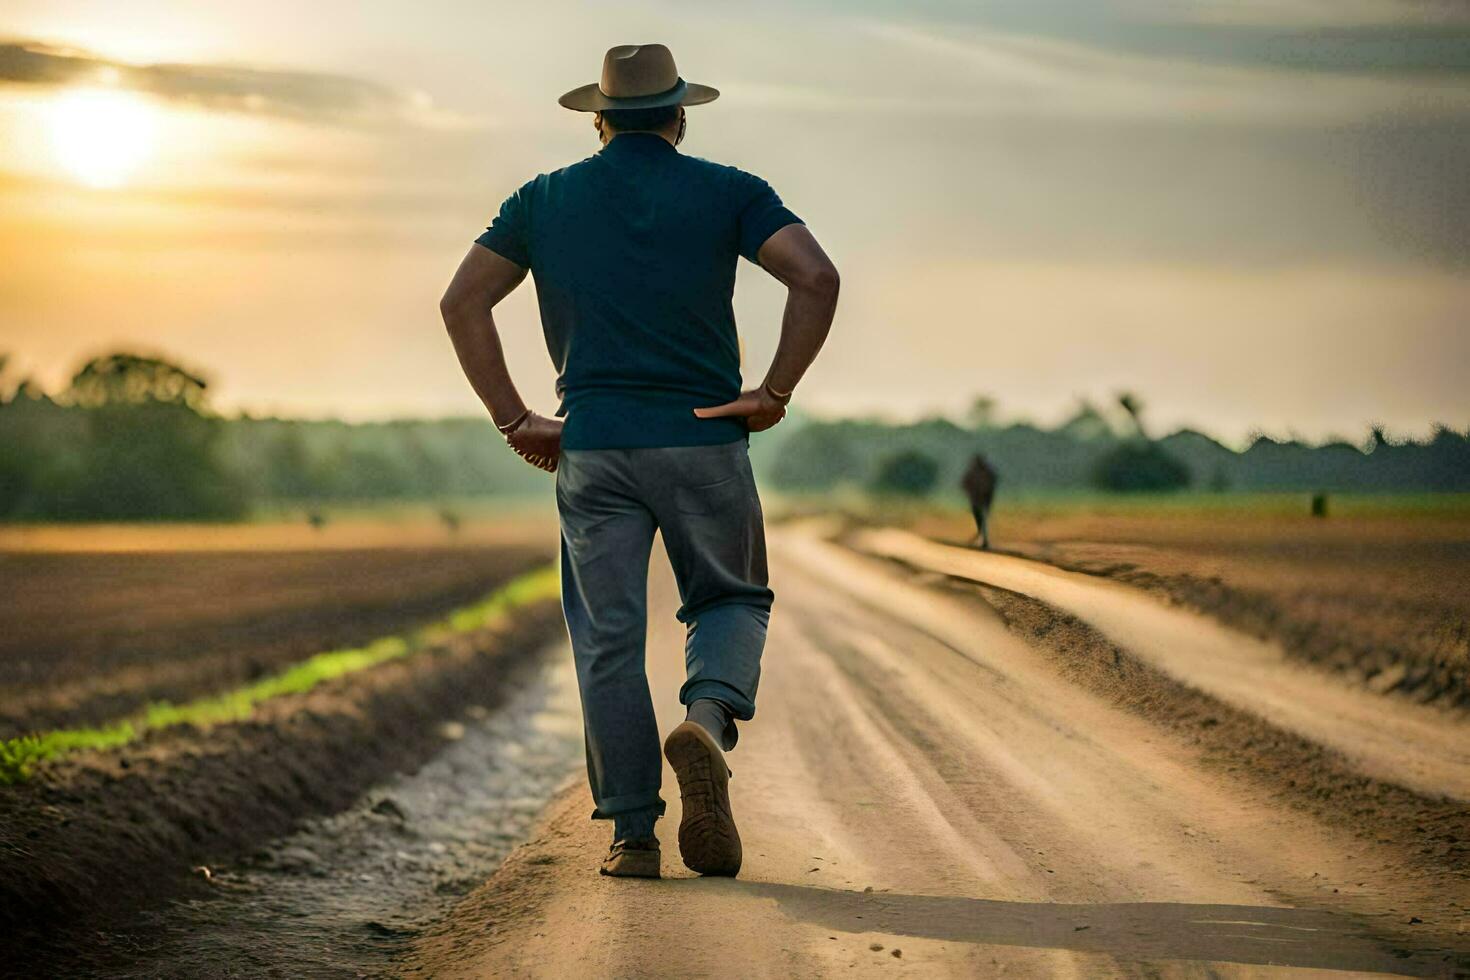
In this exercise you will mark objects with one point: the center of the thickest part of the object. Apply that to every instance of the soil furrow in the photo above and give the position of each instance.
(86, 638)
(185, 798)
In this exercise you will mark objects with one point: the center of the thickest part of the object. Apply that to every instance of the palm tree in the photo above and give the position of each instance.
(1133, 405)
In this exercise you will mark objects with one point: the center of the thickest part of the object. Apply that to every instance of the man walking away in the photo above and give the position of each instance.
(634, 252)
(979, 482)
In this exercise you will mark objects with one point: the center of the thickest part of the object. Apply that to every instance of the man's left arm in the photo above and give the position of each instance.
(483, 279)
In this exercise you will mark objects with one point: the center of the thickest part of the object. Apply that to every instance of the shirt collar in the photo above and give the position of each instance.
(626, 143)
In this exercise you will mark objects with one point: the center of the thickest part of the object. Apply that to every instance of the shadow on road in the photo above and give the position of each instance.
(1142, 930)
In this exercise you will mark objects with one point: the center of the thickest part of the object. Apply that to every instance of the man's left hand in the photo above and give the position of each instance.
(757, 406)
(537, 440)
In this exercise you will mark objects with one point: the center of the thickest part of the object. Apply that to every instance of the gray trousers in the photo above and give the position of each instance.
(703, 500)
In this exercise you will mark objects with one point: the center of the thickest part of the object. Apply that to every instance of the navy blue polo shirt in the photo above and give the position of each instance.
(633, 252)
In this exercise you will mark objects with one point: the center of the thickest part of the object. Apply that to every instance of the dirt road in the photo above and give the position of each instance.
(1423, 749)
(935, 785)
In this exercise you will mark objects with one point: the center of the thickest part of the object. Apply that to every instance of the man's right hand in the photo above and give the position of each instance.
(757, 406)
(537, 440)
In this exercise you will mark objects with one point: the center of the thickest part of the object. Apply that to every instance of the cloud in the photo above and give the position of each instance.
(1314, 14)
(1040, 77)
(1389, 37)
(231, 88)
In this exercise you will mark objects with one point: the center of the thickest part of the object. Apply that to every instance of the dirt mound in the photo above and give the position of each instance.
(1378, 599)
(1392, 644)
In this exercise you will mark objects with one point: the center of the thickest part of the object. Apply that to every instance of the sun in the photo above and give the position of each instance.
(101, 136)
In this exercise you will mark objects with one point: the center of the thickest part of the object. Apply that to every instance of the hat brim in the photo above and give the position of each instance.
(589, 98)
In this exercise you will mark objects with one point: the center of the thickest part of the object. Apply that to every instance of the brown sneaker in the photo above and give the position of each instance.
(632, 859)
(708, 840)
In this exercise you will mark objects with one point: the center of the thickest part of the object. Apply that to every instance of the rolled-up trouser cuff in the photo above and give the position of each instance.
(723, 647)
(629, 801)
(740, 706)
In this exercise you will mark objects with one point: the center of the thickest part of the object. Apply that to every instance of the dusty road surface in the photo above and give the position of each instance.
(949, 780)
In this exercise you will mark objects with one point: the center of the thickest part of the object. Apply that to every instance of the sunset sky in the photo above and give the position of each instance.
(1257, 214)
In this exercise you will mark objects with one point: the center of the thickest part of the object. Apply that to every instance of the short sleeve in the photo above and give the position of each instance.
(761, 215)
(509, 234)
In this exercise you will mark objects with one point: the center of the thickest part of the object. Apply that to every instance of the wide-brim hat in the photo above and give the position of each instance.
(638, 76)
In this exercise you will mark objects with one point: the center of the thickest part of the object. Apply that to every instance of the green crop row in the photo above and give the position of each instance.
(19, 756)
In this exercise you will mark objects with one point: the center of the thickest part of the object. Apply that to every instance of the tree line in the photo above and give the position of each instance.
(1109, 450)
(132, 437)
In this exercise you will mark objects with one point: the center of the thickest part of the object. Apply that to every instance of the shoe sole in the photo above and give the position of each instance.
(708, 840)
(633, 864)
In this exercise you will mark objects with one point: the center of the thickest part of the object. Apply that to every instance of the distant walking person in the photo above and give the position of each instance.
(634, 252)
(979, 483)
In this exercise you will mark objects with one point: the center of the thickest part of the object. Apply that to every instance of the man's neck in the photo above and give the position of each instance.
(665, 135)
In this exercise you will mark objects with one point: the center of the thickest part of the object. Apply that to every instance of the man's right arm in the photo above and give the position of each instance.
(793, 256)
(485, 278)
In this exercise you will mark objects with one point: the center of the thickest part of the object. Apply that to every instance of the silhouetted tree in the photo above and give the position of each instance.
(818, 457)
(290, 472)
(132, 379)
(1138, 465)
(150, 449)
(1086, 423)
(907, 473)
